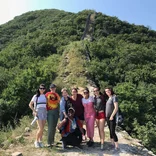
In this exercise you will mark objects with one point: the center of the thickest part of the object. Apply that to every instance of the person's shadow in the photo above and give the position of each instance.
(108, 149)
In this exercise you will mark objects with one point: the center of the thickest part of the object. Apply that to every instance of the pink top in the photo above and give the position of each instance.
(88, 106)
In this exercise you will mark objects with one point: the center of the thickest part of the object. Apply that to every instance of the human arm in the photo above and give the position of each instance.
(115, 102)
(62, 123)
(62, 107)
(80, 126)
(32, 108)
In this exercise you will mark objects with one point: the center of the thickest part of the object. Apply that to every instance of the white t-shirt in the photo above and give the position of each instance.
(88, 106)
(41, 101)
(88, 101)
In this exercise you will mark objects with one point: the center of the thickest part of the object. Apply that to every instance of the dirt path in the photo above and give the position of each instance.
(128, 147)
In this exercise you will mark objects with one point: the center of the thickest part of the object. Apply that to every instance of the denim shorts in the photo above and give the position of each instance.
(42, 113)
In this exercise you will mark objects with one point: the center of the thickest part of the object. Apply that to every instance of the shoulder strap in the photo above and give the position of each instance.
(36, 102)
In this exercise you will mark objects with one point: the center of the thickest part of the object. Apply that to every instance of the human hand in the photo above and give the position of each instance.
(111, 118)
(59, 126)
(84, 137)
(34, 113)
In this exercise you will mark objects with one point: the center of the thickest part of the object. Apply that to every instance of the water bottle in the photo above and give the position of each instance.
(36, 118)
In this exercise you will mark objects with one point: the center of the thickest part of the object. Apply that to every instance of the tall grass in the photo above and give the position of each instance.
(8, 135)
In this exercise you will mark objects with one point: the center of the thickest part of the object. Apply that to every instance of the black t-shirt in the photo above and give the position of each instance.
(99, 103)
(68, 104)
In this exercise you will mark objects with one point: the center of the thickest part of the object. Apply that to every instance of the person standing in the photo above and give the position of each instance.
(53, 100)
(111, 110)
(99, 104)
(76, 100)
(89, 115)
(65, 104)
(38, 106)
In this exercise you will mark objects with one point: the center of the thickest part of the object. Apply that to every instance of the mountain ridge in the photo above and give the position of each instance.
(45, 46)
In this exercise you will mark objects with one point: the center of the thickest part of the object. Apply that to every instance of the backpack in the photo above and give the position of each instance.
(119, 118)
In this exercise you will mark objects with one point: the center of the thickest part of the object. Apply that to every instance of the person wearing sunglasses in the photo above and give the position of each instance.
(38, 106)
(89, 115)
(53, 100)
(99, 105)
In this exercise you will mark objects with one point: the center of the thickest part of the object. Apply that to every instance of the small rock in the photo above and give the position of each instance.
(150, 153)
(11, 145)
(26, 134)
(18, 137)
(27, 129)
(5, 143)
(17, 154)
(145, 150)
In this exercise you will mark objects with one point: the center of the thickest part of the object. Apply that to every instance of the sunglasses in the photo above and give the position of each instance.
(95, 90)
(85, 92)
(42, 88)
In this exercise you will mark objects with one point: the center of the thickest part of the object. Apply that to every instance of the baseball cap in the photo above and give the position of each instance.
(52, 86)
(71, 108)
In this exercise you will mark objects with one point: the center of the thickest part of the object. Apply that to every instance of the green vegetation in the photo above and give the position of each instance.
(44, 46)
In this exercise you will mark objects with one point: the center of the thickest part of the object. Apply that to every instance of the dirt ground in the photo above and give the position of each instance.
(128, 147)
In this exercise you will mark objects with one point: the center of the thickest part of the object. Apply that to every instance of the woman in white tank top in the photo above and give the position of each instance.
(38, 106)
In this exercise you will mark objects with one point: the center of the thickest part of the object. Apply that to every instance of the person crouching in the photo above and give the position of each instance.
(71, 130)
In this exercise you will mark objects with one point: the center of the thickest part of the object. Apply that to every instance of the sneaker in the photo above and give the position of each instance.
(37, 145)
(48, 145)
(90, 143)
(116, 150)
(41, 144)
(102, 146)
(63, 145)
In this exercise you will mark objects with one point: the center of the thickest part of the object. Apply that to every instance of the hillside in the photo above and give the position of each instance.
(80, 49)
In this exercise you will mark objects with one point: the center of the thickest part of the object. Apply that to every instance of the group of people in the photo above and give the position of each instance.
(75, 111)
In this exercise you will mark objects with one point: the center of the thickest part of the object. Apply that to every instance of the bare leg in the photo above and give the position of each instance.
(97, 123)
(101, 130)
(116, 144)
(39, 134)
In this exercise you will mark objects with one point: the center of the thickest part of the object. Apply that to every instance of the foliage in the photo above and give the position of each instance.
(44, 46)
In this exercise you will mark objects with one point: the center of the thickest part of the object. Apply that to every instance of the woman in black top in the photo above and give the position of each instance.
(99, 105)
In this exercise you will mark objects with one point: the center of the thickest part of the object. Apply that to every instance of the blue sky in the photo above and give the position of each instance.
(139, 12)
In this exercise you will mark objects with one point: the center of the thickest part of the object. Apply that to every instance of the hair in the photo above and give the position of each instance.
(98, 90)
(86, 89)
(64, 89)
(111, 90)
(38, 92)
(76, 89)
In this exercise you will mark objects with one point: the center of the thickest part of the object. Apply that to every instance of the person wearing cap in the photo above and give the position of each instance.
(65, 104)
(71, 130)
(89, 115)
(53, 100)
